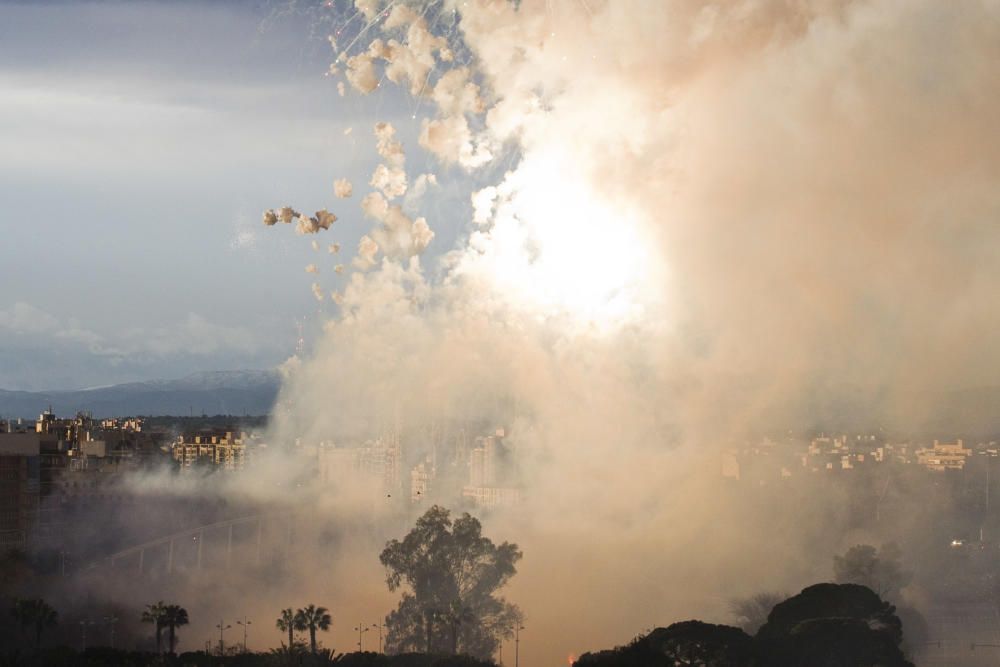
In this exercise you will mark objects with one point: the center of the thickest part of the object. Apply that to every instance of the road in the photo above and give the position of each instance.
(954, 627)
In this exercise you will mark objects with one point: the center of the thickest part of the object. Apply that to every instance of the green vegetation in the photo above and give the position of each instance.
(834, 625)
(453, 574)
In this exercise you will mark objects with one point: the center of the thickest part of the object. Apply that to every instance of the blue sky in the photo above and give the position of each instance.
(140, 143)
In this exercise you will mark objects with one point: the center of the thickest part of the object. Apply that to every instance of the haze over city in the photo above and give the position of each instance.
(585, 332)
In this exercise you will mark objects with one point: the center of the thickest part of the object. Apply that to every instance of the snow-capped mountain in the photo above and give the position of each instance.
(210, 392)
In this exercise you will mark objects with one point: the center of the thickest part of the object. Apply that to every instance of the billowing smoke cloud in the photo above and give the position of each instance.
(367, 249)
(342, 188)
(719, 219)
(390, 176)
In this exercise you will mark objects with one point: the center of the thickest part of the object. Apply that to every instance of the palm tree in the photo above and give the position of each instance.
(154, 614)
(44, 617)
(174, 616)
(21, 611)
(35, 613)
(286, 623)
(310, 619)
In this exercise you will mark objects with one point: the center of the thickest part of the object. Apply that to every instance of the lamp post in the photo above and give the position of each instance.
(111, 620)
(222, 629)
(83, 633)
(361, 630)
(517, 644)
(379, 627)
(246, 623)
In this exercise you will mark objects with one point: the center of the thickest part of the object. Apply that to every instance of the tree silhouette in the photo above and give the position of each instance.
(452, 573)
(174, 616)
(45, 617)
(312, 618)
(837, 625)
(153, 613)
(685, 643)
(21, 612)
(286, 623)
(36, 614)
(454, 617)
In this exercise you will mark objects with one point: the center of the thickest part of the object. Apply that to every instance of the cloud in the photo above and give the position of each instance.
(193, 335)
(23, 318)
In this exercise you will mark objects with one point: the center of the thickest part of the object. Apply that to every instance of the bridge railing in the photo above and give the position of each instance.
(198, 532)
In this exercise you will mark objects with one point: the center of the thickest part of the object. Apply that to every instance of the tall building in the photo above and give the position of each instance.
(492, 473)
(213, 452)
(375, 464)
(421, 481)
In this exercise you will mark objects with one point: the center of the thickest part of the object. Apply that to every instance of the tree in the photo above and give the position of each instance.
(288, 655)
(174, 616)
(452, 573)
(836, 642)
(880, 571)
(21, 612)
(835, 625)
(751, 612)
(685, 643)
(454, 617)
(286, 623)
(45, 617)
(312, 618)
(154, 614)
(36, 614)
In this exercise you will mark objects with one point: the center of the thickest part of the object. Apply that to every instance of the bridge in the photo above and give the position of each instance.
(189, 547)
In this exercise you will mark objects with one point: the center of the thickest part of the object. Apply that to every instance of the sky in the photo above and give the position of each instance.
(140, 143)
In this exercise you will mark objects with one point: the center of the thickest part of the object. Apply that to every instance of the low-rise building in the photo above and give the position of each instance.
(944, 456)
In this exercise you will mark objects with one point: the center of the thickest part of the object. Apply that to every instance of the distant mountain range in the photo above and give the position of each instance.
(973, 412)
(211, 393)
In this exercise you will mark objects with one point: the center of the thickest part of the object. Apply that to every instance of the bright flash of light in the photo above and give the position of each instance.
(561, 248)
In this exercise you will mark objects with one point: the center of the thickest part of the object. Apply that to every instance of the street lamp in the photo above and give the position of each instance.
(111, 620)
(246, 623)
(517, 643)
(222, 628)
(83, 632)
(361, 630)
(379, 626)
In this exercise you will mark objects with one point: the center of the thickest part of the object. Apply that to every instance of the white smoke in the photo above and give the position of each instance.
(720, 218)
(342, 188)
(367, 249)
